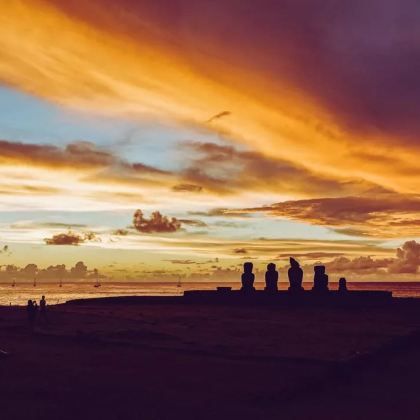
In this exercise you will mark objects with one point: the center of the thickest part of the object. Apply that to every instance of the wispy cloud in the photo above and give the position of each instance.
(225, 169)
(385, 214)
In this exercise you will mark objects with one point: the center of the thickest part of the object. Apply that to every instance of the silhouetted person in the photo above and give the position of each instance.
(31, 313)
(342, 285)
(35, 308)
(320, 279)
(29, 308)
(295, 274)
(43, 310)
(248, 277)
(271, 278)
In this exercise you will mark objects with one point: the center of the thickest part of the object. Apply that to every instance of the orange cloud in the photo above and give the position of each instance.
(209, 169)
(384, 214)
(80, 175)
(359, 265)
(226, 170)
(407, 261)
(240, 251)
(408, 258)
(187, 188)
(81, 154)
(312, 255)
(156, 223)
(193, 222)
(71, 238)
(283, 99)
(120, 232)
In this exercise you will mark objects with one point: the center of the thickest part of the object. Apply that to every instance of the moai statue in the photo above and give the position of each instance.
(320, 279)
(342, 285)
(271, 278)
(295, 274)
(248, 277)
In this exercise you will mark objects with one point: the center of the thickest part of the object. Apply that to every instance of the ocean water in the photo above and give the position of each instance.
(20, 294)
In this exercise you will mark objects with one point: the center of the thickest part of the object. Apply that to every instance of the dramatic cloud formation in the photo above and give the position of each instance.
(215, 170)
(156, 223)
(320, 83)
(284, 39)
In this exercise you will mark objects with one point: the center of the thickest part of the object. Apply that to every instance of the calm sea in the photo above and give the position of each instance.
(20, 294)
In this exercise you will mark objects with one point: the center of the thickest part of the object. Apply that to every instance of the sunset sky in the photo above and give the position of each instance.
(241, 130)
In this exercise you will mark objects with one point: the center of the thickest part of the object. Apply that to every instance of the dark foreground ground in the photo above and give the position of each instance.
(109, 361)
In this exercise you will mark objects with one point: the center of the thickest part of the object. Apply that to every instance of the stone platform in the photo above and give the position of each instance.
(225, 296)
(304, 297)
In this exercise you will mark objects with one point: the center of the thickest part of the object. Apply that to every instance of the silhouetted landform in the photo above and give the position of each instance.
(279, 298)
(111, 360)
(258, 298)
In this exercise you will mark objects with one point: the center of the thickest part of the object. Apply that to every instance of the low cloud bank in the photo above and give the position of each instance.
(30, 272)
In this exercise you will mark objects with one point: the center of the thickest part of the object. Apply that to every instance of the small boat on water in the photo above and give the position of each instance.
(34, 281)
(61, 283)
(14, 283)
(97, 283)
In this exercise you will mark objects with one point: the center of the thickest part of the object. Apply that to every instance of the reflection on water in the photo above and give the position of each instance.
(20, 294)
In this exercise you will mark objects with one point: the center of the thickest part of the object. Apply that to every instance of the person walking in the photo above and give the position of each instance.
(43, 310)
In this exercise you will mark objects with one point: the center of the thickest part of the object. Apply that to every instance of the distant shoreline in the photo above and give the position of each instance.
(220, 283)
